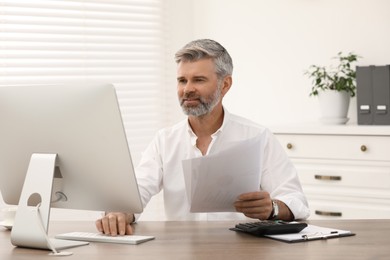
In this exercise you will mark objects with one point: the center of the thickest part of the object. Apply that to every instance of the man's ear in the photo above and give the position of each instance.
(226, 84)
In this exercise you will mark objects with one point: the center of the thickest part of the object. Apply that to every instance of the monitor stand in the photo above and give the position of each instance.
(31, 223)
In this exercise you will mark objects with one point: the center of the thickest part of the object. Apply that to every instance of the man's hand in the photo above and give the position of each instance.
(256, 205)
(115, 223)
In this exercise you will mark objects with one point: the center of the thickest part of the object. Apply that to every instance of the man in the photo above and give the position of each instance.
(204, 76)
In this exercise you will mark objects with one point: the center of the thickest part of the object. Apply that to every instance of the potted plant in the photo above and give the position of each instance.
(334, 87)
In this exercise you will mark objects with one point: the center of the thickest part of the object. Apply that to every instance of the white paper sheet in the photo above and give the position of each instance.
(214, 182)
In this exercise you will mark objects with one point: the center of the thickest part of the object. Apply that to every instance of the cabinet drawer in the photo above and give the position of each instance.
(331, 209)
(343, 174)
(336, 146)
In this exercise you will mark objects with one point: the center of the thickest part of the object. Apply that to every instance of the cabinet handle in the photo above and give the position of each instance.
(328, 213)
(327, 177)
(363, 148)
(289, 146)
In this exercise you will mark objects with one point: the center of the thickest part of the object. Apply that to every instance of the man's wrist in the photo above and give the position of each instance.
(275, 210)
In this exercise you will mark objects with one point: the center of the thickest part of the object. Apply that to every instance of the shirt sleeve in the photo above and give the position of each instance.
(149, 172)
(280, 178)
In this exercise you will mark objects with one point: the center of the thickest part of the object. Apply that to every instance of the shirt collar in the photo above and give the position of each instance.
(226, 117)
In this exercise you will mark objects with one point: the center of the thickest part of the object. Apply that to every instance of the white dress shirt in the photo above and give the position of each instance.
(161, 168)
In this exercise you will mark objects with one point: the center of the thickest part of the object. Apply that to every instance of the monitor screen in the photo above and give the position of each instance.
(81, 125)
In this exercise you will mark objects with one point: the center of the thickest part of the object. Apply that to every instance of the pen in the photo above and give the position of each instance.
(332, 234)
(321, 236)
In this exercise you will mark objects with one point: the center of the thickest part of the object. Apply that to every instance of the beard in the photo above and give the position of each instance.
(205, 106)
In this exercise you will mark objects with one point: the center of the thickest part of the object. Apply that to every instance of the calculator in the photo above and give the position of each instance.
(269, 227)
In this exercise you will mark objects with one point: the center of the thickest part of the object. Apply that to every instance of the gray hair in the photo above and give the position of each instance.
(205, 48)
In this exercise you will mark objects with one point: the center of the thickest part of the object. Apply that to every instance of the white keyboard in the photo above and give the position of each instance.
(98, 237)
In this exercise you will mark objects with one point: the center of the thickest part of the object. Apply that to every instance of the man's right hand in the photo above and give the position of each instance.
(115, 223)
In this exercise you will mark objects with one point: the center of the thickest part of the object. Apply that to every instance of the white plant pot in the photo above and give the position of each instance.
(334, 106)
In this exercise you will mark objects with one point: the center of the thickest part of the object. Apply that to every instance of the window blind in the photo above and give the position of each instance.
(97, 41)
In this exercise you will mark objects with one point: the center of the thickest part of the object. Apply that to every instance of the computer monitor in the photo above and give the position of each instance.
(63, 146)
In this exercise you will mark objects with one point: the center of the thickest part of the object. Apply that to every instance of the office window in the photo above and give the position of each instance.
(68, 41)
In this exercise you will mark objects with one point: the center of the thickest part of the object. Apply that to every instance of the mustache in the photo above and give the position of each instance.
(190, 95)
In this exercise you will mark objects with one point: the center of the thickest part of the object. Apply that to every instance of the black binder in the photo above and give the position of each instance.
(364, 95)
(381, 94)
(373, 95)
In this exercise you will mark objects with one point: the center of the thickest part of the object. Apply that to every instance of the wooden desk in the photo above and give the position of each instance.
(214, 240)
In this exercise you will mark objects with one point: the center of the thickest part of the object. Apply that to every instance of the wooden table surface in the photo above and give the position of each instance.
(214, 240)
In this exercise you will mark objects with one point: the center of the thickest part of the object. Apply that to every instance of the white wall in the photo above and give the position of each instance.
(272, 42)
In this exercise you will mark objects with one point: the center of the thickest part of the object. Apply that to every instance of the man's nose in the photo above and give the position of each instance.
(189, 87)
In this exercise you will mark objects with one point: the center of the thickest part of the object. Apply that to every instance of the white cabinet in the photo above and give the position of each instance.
(344, 170)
